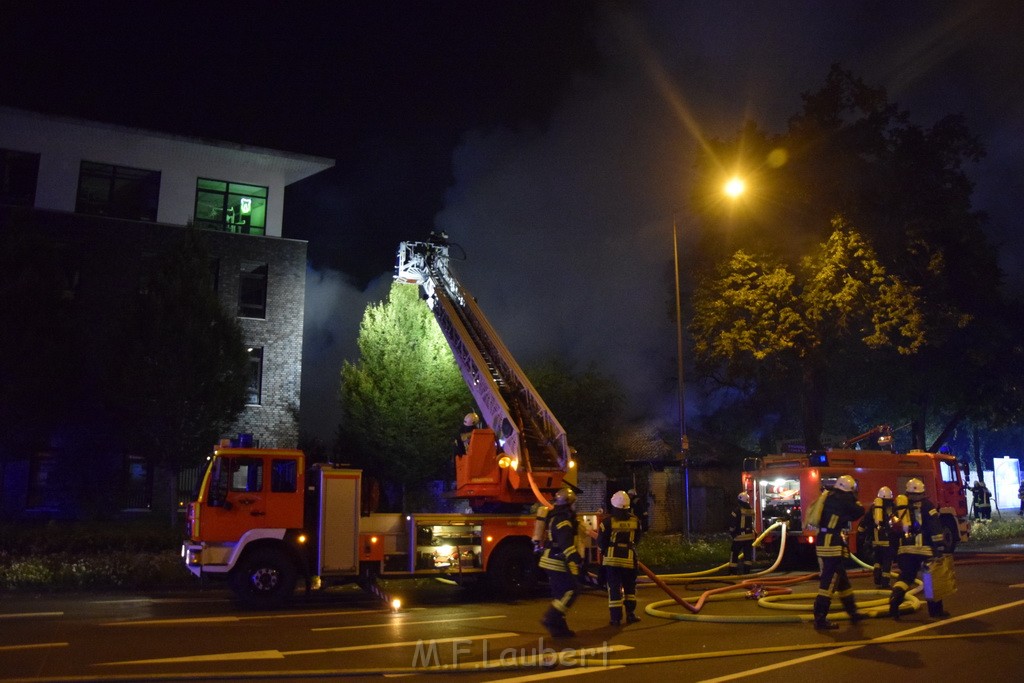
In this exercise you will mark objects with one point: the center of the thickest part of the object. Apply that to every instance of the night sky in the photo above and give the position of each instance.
(552, 140)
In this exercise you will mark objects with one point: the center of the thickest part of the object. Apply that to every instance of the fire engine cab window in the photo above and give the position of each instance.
(283, 477)
(247, 475)
(948, 473)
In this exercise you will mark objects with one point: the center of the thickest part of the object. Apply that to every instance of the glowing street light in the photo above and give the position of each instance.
(734, 187)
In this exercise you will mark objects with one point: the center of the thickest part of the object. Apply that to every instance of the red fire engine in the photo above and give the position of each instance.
(264, 517)
(784, 486)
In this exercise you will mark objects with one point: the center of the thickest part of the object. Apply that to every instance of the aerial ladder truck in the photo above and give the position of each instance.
(265, 518)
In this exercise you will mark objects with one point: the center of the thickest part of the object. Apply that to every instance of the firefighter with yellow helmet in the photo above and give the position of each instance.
(883, 540)
(741, 528)
(617, 537)
(561, 562)
(920, 540)
(840, 508)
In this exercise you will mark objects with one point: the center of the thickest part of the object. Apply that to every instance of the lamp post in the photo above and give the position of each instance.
(733, 188)
(684, 443)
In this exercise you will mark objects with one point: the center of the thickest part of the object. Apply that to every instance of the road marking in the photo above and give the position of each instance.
(30, 615)
(277, 654)
(892, 637)
(216, 620)
(30, 646)
(405, 623)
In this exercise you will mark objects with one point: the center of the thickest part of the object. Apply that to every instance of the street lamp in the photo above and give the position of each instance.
(733, 188)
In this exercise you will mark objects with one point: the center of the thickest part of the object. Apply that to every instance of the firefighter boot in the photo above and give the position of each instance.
(851, 608)
(877, 575)
(895, 600)
(821, 622)
(554, 622)
(935, 610)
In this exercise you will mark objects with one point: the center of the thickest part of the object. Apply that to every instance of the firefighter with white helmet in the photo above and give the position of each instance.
(920, 540)
(617, 537)
(883, 541)
(840, 508)
(741, 528)
(561, 562)
(469, 423)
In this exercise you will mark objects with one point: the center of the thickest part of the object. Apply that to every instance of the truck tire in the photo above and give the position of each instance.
(950, 534)
(512, 570)
(264, 577)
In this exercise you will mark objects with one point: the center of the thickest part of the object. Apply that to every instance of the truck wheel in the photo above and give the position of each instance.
(512, 570)
(265, 577)
(950, 534)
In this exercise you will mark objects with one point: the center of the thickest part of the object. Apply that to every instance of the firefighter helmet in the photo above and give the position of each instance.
(845, 483)
(915, 486)
(470, 419)
(885, 493)
(744, 497)
(620, 499)
(565, 497)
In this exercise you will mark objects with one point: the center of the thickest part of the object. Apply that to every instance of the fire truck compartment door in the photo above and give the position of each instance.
(339, 521)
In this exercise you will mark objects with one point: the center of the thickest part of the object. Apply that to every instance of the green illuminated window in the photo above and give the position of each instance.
(231, 207)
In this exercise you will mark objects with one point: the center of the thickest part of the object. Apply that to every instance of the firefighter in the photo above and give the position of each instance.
(982, 501)
(741, 528)
(617, 537)
(561, 562)
(883, 543)
(840, 508)
(469, 423)
(920, 539)
(1020, 494)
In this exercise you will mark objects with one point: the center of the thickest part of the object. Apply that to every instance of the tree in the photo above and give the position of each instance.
(403, 400)
(589, 406)
(181, 369)
(38, 345)
(758, 320)
(851, 152)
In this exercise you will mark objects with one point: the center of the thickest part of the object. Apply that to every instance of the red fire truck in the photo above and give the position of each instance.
(783, 487)
(264, 518)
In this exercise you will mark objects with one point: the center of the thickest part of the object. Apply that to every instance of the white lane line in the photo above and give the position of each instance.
(30, 615)
(277, 654)
(405, 623)
(892, 637)
(30, 646)
(216, 620)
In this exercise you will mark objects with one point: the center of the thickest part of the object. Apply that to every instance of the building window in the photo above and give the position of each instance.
(252, 290)
(43, 483)
(215, 274)
(231, 207)
(19, 172)
(254, 395)
(138, 484)
(118, 191)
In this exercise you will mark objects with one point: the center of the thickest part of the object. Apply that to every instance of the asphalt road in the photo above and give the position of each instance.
(342, 633)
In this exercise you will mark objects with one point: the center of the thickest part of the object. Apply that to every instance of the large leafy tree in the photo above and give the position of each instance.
(851, 152)
(590, 407)
(759, 320)
(403, 400)
(181, 369)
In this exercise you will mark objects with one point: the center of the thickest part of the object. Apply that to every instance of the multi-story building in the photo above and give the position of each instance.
(113, 197)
